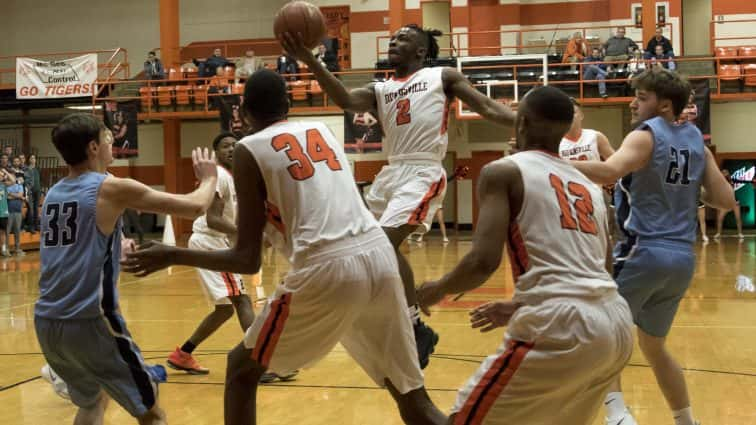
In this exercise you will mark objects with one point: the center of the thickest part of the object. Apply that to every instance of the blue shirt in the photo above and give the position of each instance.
(659, 201)
(15, 205)
(79, 265)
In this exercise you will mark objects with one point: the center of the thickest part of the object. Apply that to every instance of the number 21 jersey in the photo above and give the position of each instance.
(414, 113)
(311, 194)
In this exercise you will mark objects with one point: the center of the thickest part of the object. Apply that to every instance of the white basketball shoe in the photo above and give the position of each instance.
(52, 378)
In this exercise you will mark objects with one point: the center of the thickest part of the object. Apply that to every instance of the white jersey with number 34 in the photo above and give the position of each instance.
(311, 194)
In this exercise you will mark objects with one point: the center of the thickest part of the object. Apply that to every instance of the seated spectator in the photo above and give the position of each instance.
(153, 68)
(593, 69)
(577, 50)
(219, 83)
(637, 64)
(616, 48)
(247, 65)
(327, 58)
(661, 59)
(658, 40)
(286, 65)
(209, 67)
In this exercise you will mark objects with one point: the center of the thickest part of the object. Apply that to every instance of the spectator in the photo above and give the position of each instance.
(8, 150)
(33, 181)
(577, 50)
(16, 200)
(219, 83)
(616, 48)
(658, 40)
(16, 169)
(4, 164)
(286, 65)
(247, 65)
(662, 60)
(209, 67)
(153, 67)
(328, 59)
(593, 69)
(637, 64)
(5, 180)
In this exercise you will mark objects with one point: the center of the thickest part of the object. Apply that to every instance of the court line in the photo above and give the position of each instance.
(17, 384)
(120, 285)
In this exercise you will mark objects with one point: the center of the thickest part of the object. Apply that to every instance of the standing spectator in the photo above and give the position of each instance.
(22, 158)
(8, 151)
(247, 65)
(5, 180)
(287, 65)
(4, 164)
(577, 50)
(33, 181)
(662, 60)
(327, 58)
(596, 71)
(153, 67)
(659, 40)
(16, 200)
(616, 48)
(211, 64)
(16, 168)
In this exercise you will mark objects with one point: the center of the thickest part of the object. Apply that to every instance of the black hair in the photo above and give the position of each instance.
(666, 85)
(265, 96)
(549, 113)
(428, 38)
(72, 136)
(575, 101)
(222, 136)
(151, 52)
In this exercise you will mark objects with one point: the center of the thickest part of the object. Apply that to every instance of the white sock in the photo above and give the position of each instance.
(615, 405)
(414, 311)
(683, 416)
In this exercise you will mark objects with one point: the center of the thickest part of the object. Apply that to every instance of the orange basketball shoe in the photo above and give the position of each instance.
(180, 360)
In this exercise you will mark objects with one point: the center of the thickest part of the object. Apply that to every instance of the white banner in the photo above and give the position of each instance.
(73, 77)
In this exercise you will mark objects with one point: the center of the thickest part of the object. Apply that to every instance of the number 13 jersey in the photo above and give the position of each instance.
(414, 113)
(311, 195)
(558, 241)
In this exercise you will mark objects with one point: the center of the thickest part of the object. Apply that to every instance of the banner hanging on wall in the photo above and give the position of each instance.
(230, 115)
(121, 119)
(362, 133)
(73, 77)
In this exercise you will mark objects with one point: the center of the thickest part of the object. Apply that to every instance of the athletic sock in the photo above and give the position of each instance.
(683, 416)
(615, 405)
(414, 311)
(188, 347)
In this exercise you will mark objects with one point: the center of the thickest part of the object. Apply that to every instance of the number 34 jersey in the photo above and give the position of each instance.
(414, 113)
(558, 241)
(311, 195)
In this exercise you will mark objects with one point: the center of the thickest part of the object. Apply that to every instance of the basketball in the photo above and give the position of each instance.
(301, 17)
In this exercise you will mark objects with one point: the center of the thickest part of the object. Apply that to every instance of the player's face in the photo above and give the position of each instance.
(225, 151)
(403, 47)
(645, 106)
(577, 117)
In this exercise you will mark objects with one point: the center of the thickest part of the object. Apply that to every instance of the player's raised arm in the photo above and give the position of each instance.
(717, 191)
(356, 100)
(457, 85)
(634, 154)
(244, 257)
(498, 182)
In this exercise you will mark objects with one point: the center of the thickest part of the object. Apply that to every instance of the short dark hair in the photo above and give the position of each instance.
(72, 135)
(549, 112)
(665, 84)
(222, 136)
(574, 101)
(265, 96)
(428, 38)
(151, 52)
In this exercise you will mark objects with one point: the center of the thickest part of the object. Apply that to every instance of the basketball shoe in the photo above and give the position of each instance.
(625, 419)
(180, 360)
(426, 340)
(269, 377)
(52, 378)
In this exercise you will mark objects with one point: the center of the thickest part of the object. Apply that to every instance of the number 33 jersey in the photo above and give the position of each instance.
(414, 113)
(558, 241)
(311, 195)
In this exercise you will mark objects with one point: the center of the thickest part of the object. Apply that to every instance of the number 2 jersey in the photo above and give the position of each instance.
(558, 240)
(311, 195)
(414, 113)
(78, 264)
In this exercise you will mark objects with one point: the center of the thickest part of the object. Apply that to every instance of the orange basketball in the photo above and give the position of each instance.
(301, 17)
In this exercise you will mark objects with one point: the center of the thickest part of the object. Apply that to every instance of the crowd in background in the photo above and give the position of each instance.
(21, 186)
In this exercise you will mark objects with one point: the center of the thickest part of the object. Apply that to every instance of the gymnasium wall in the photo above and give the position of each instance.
(734, 10)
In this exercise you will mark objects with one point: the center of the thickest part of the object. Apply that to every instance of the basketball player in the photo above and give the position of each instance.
(582, 144)
(569, 332)
(663, 165)
(343, 285)
(80, 330)
(413, 108)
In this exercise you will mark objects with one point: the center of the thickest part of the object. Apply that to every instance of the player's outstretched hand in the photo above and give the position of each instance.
(429, 294)
(204, 164)
(148, 259)
(295, 47)
(493, 315)
(127, 245)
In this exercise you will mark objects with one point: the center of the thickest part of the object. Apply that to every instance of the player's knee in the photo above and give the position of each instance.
(224, 311)
(652, 346)
(241, 366)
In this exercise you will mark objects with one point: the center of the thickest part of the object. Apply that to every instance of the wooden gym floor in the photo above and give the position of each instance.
(714, 337)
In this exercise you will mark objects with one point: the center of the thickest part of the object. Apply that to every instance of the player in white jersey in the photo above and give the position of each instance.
(583, 144)
(295, 187)
(413, 109)
(569, 331)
